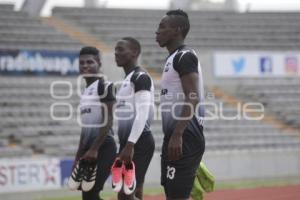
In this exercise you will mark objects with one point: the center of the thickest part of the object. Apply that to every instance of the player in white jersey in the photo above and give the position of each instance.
(97, 146)
(135, 111)
(182, 113)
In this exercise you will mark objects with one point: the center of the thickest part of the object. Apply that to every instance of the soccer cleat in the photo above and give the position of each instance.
(129, 178)
(117, 176)
(76, 176)
(89, 177)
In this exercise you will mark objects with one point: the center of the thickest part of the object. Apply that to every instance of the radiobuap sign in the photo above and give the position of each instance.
(38, 62)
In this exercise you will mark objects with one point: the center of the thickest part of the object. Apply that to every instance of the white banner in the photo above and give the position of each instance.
(256, 64)
(29, 174)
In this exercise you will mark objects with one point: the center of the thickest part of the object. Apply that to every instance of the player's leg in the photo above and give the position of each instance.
(107, 155)
(139, 191)
(144, 150)
(123, 196)
(180, 174)
(143, 153)
(163, 165)
(179, 181)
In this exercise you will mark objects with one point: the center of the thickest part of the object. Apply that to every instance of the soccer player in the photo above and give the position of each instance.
(135, 104)
(182, 114)
(97, 146)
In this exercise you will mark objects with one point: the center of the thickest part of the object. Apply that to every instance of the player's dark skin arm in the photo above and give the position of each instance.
(190, 86)
(127, 153)
(92, 153)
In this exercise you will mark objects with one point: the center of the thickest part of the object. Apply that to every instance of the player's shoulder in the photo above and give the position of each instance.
(185, 53)
(103, 85)
(104, 82)
(141, 80)
(139, 74)
(186, 50)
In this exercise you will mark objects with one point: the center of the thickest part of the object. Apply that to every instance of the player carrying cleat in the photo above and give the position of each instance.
(135, 111)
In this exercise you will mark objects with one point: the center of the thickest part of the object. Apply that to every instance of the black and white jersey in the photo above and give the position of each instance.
(93, 113)
(135, 81)
(181, 62)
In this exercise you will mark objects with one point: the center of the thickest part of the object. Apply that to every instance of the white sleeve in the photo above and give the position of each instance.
(142, 106)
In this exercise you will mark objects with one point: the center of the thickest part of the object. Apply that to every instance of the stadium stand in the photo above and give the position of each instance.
(20, 31)
(270, 132)
(26, 115)
(26, 125)
(25, 101)
(209, 30)
(281, 98)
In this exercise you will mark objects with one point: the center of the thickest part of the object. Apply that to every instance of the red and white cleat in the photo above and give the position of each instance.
(116, 173)
(129, 178)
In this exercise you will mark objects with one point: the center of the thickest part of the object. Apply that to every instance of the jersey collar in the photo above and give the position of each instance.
(178, 48)
(133, 69)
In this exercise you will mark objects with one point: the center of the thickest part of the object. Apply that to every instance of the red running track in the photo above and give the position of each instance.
(264, 193)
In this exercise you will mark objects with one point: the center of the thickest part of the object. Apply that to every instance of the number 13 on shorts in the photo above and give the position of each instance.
(171, 172)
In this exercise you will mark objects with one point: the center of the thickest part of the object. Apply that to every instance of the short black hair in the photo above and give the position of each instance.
(134, 43)
(182, 20)
(89, 50)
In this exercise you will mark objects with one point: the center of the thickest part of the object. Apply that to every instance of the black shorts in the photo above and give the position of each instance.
(143, 153)
(177, 177)
(106, 156)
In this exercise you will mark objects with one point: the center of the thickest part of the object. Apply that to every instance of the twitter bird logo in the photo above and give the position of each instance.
(238, 65)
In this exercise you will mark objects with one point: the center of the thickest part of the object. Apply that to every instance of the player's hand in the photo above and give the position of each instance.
(175, 146)
(90, 156)
(126, 154)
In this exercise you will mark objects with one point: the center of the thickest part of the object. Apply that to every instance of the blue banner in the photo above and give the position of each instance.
(38, 62)
(65, 170)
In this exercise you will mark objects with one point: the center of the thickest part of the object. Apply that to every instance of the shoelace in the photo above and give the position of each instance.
(79, 171)
(117, 176)
(88, 172)
(128, 176)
